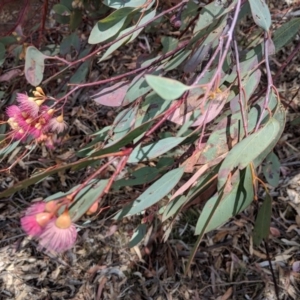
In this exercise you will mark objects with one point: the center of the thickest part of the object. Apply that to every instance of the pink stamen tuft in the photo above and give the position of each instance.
(28, 105)
(31, 226)
(35, 208)
(57, 124)
(57, 239)
(19, 134)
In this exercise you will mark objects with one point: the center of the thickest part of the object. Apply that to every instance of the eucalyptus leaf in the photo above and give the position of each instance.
(34, 66)
(168, 89)
(153, 194)
(138, 235)
(263, 221)
(261, 13)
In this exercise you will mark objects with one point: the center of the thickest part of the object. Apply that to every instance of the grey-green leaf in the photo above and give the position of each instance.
(109, 26)
(153, 194)
(168, 89)
(155, 149)
(138, 235)
(261, 13)
(271, 169)
(263, 221)
(34, 66)
(238, 199)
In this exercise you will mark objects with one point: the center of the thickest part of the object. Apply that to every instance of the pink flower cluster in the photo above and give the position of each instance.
(54, 233)
(30, 118)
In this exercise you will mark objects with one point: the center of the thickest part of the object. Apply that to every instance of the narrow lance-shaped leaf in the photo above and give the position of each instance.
(138, 235)
(263, 221)
(109, 26)
(238, 199)
(249, 149)
(129, 3)
(285, 33)
(84, 200)
(153, 150)
(153, 194)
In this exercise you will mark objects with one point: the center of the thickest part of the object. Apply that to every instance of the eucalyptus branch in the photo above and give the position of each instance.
(88, 180)
(83, 59)
(220, 64)
(118, 77)
(241, 89)
(269, 79)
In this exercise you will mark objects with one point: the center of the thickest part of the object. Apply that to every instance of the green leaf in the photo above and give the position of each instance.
(130, 37)
(109, 26)
(82, 71)
(75, 19)
(234, 202)
(117, 4)
(271, 169)
(85, 198)
(261, 13)
(190, 11)
(176, 60)
(173, 207)
(123, 122)
(138, 177)
(34, 66)
(209, 13)
(168, 89)
(153, 194)
(169, 43)
(61, 9)
(246, 151)
(21, 185)
(2, 54)
(278, 115)
(116, 145)
(139, 87)
(8, 149)
(286, 33)
(69, 41)
(263, 221)
(249, 84)
(155, 149)
(67, 3)
(228, 129)
(138, 235)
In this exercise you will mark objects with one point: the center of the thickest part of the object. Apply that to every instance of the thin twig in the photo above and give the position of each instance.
(241, 89)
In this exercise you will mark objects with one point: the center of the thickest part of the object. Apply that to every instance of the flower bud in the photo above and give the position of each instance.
(51, 206)
(92, 209)
(60, 119)
(63, 221)
(43, 218)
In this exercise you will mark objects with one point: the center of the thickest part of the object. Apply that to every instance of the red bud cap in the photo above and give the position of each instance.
(63, 221)
(43, 218)
(92, 209)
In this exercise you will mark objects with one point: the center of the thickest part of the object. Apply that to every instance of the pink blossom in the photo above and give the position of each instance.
(57, 124)
(28, 104)
(35, 208)
(36, 130)
(19, 134)
(46, 114)
(34, 225)
(18, 119)
(57, 239)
